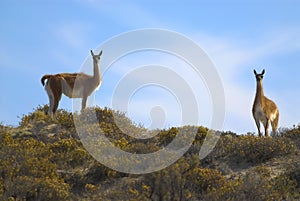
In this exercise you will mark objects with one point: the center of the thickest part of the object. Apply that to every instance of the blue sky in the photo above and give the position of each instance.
(39, 37)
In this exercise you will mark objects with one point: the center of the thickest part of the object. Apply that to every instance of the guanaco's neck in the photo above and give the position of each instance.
(259, 92)
(97, 75)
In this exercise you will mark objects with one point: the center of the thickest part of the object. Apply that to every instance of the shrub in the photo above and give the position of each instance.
(45, 160)
(256, 185)
(26, 171)
(68, 153)
(252, 149)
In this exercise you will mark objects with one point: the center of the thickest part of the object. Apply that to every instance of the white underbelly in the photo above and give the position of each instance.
(259, 114)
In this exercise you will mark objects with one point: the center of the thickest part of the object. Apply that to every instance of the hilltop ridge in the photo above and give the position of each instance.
(45, 160)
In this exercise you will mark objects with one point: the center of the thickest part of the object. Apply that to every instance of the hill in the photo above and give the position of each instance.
(45, 160)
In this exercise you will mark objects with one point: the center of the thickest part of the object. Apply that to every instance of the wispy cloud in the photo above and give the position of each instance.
(232, 60)
(148, 71)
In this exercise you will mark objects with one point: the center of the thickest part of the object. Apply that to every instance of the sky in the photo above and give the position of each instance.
(49, 37)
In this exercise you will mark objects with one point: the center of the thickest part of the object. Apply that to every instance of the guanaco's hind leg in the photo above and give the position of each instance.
(56, 88)
(51, 99)
(274, 124)
(266, 125)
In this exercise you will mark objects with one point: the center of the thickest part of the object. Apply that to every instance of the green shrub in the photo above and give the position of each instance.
(256, 185)
(27, 171)
(69, 153)
(252, 149)
(44, 160)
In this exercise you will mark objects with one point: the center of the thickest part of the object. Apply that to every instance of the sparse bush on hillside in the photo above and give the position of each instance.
(27, 172)
(252, 149)
(45, 160)
(185, 180)
(293, 134)
(68, 153)
(256, 185)
(37, 115)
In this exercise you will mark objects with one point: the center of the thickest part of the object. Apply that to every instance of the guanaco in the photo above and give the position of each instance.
(64, 83)
(264, 110)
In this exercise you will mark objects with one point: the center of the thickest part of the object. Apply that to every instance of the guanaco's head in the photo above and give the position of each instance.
(259, 76)
(96, 57)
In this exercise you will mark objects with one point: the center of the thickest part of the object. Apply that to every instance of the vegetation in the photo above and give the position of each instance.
(45, 160)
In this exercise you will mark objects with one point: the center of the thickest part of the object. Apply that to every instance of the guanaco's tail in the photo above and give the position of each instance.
(45, 77)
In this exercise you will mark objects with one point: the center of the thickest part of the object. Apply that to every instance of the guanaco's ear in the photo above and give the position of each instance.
(255, 73)
(100, 53)
(263, 72)
(92, 53)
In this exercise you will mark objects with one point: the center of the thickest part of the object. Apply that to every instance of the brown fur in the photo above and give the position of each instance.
(264, 110)
(73, 85)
